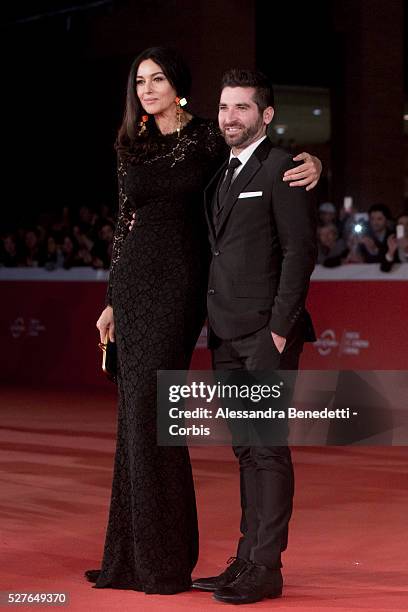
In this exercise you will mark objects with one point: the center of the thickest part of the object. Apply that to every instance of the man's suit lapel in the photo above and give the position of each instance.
(244, 177)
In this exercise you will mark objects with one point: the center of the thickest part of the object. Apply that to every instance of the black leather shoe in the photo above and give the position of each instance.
(235, 568)
(256, 583)
(92, 575)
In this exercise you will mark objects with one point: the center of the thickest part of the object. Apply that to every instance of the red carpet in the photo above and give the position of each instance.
(348, 540)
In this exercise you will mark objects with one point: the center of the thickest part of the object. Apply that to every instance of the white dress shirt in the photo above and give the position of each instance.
(245, 155)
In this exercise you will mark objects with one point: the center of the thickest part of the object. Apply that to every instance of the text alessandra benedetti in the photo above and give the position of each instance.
(290, 413)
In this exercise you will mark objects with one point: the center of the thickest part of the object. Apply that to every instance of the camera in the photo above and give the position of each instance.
(360, 224)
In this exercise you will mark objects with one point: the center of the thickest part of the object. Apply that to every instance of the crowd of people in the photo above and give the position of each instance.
(350, 237)
(85, 238)
(64, 240)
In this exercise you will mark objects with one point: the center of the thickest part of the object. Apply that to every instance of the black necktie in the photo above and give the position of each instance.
(226, 184)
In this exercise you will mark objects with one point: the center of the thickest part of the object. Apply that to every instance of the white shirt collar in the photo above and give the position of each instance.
(247, 152)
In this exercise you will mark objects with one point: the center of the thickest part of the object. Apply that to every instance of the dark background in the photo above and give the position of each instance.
(64, 76)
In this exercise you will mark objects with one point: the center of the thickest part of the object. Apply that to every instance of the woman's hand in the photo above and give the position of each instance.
(105, 324)
(392, 243)
(307, 173)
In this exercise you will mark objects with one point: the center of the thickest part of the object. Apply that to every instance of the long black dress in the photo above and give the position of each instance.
(157, 288)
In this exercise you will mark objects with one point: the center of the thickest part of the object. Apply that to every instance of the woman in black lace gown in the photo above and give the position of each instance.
(155, 311)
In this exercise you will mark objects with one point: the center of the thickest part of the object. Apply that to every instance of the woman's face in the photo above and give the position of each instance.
(67, 246)
(51, 244)
(10, 245)
(153, 88)
(30, 240)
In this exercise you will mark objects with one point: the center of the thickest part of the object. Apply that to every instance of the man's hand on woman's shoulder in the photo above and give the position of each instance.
(307, 174)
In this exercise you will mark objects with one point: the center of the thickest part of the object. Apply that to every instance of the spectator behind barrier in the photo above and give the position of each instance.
(51, 255)
(32, 245)
(102, 249)
(327, 214)
(373, 241)
(10, 255)
(397, 251)
(332, 250)
(54, 240)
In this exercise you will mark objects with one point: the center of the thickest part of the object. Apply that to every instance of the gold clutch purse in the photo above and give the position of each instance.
(109, 358)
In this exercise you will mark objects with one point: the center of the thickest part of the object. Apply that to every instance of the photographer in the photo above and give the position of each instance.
(397, 251)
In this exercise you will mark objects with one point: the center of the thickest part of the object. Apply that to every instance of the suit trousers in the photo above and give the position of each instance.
(266, 472)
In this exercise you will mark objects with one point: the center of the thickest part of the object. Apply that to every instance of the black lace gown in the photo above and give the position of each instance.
(157, 287)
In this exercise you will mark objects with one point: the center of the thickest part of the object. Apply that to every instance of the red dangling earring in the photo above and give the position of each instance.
(142, 124)
(179, 103)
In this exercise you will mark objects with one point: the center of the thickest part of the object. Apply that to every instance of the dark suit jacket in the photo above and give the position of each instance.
(264, 250)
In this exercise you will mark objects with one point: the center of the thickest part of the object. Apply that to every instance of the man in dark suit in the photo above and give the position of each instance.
(263, 240)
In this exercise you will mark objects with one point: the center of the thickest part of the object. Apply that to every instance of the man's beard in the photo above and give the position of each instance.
(245, 137)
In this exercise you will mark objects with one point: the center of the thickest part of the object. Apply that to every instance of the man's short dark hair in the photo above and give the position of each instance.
(237, 77)
(382, 208)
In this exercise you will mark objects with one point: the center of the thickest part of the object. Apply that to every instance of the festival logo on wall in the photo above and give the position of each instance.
(32, 328)
(326, 342)
(350, 343)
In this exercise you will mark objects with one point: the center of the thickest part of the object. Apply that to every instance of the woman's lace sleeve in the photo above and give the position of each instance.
(215, 147)
(122, 227)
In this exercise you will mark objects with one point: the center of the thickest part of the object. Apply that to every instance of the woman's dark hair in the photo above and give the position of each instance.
(237, 77)
(178, 74)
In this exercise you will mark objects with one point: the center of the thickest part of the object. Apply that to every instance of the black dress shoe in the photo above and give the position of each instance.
(256, 583)
(235, 568)
(92, 575)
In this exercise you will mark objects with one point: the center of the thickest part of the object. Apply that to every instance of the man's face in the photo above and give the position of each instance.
(85, 214)
(327, 236)
(378, 221)
(240, 119)
(327, 217)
